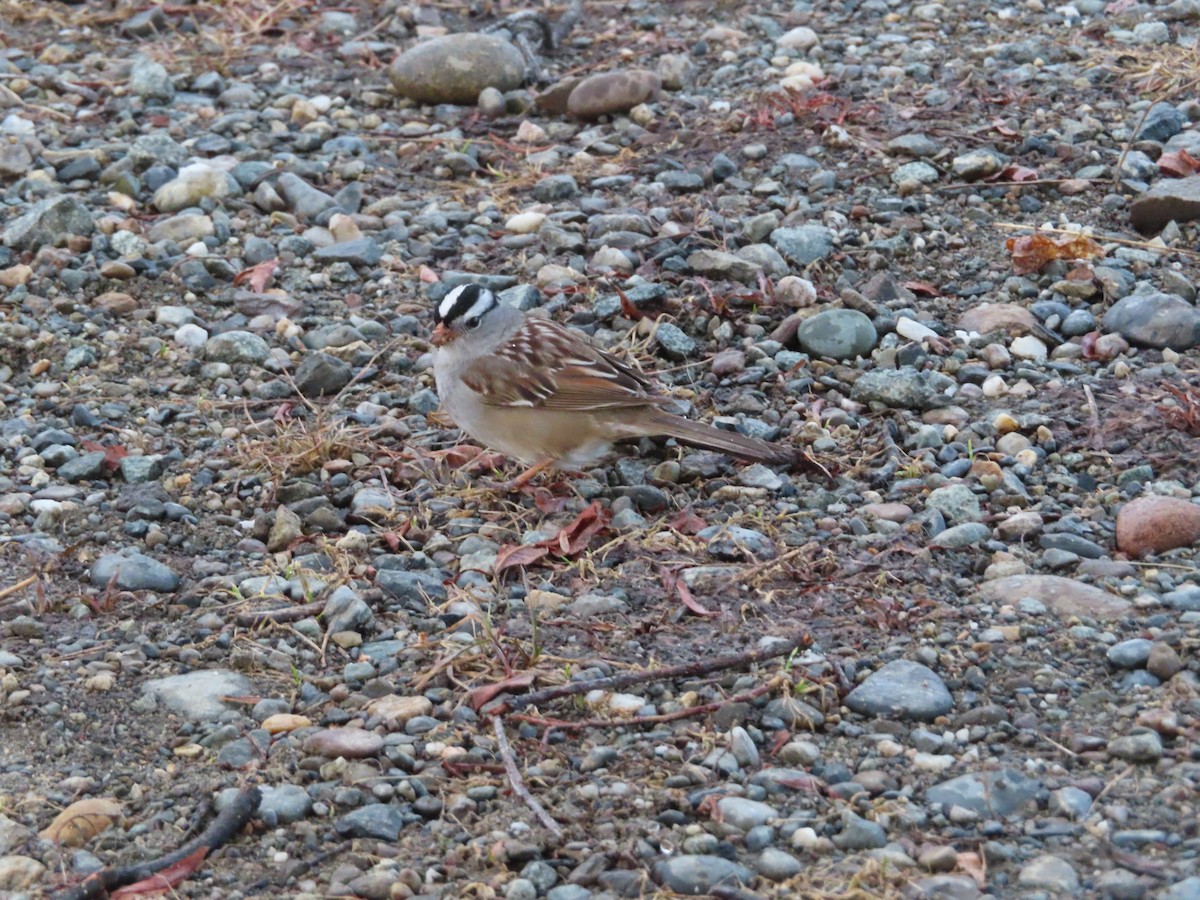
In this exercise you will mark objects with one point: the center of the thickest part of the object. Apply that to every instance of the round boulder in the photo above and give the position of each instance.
(455, 68)
(1156, 524)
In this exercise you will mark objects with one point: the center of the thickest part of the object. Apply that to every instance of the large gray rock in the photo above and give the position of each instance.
(1155, 320)
(47, 222)
(132, 571)
(609, 93)
(198, 695)
(902, 689)
(1171, 200)
(455, 68)
(838, 334)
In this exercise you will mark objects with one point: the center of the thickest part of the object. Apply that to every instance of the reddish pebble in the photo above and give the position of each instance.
(351, 743)
(1154, 524)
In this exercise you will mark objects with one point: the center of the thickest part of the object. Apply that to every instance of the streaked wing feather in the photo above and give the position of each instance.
(550, 367)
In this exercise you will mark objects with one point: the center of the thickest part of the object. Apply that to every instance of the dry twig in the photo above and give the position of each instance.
(518, 786)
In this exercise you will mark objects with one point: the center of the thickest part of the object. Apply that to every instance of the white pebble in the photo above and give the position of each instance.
(994, 386)
(1028, 347)
(799, 38)
(191, 336)
(525, 223)
(913, 330)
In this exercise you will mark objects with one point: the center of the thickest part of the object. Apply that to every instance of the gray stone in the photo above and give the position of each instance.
(381, 821)
(1000, 792)
(1143, 747)
(904, 388)
(1051, 873)
(184, 228)
(553, 188)
(717, 264)
(696, 875)
(143, 469)
(1170, 200)
(48, 222)
(362, 252)
(133, 571)
(150, 80)
(236, 347)
(1188, 889)
(841, 334)
(302, 198)
(859, 834)
(197, 695)
(319, 374)
(778, 865)
(84, 467)
(673, 342)
(902, 689)
(345, 610)
(1155, 320)
(957, 502)
(965, 535)
(803, 245)
(283, 804)
(456, 68)
(412, 586)
(1130, 654)
(745, 814)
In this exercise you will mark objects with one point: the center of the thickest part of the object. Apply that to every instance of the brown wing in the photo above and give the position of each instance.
(548, 366)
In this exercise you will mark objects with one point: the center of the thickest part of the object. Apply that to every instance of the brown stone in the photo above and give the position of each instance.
(1007, 317)
(1164, 662)
(612, 92)
(349, 743)
(116, 303)
(1063, 595)
(1154, 524)
(553, 100)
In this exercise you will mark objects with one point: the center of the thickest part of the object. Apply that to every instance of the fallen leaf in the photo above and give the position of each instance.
(1178, 164)
(570, 540)
(481, 696)
(1003, 130)
(627, 308)
(512, 555)
(687, 522)
(1030, 252)
(82, 821)
(923, 288)
(972, 864)
(1014, 173)
(163, 882)
(674, 583)
(257, 276)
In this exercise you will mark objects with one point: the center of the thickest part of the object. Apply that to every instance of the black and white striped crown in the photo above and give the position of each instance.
(464, 303)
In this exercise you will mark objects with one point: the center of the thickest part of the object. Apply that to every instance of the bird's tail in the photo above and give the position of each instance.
(706, 437)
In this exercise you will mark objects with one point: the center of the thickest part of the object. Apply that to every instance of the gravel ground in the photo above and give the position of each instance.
(947, 248)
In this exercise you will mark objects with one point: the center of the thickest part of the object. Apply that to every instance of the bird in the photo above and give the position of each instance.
(542, 394)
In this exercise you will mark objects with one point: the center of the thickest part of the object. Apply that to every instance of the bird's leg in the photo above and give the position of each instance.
(519, 483)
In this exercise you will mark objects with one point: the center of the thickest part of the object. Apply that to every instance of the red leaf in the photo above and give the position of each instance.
(1030, 252)
(576, 536)
(547, 503)
(259, 276)
(673, 582)
(923, 288)
(627, 308)
(479, 697)
(687, 522)
(570, 540)
(513, 555)
(1014, 173)
(1002, 129)
(162, 882)
(112, 454)
(1178, 164)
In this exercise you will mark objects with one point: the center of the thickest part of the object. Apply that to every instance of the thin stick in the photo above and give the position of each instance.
(223, 828)
(18, 586)
(280, 616)
(687, 713)
(616, 682)
(1129, 143)
(518, 786)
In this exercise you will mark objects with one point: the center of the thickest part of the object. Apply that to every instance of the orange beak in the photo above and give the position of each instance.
(441, 335)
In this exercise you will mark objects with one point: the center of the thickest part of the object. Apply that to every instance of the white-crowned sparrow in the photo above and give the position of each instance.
(543, 394)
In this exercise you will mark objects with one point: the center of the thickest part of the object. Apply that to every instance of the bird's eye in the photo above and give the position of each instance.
(472, 322)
